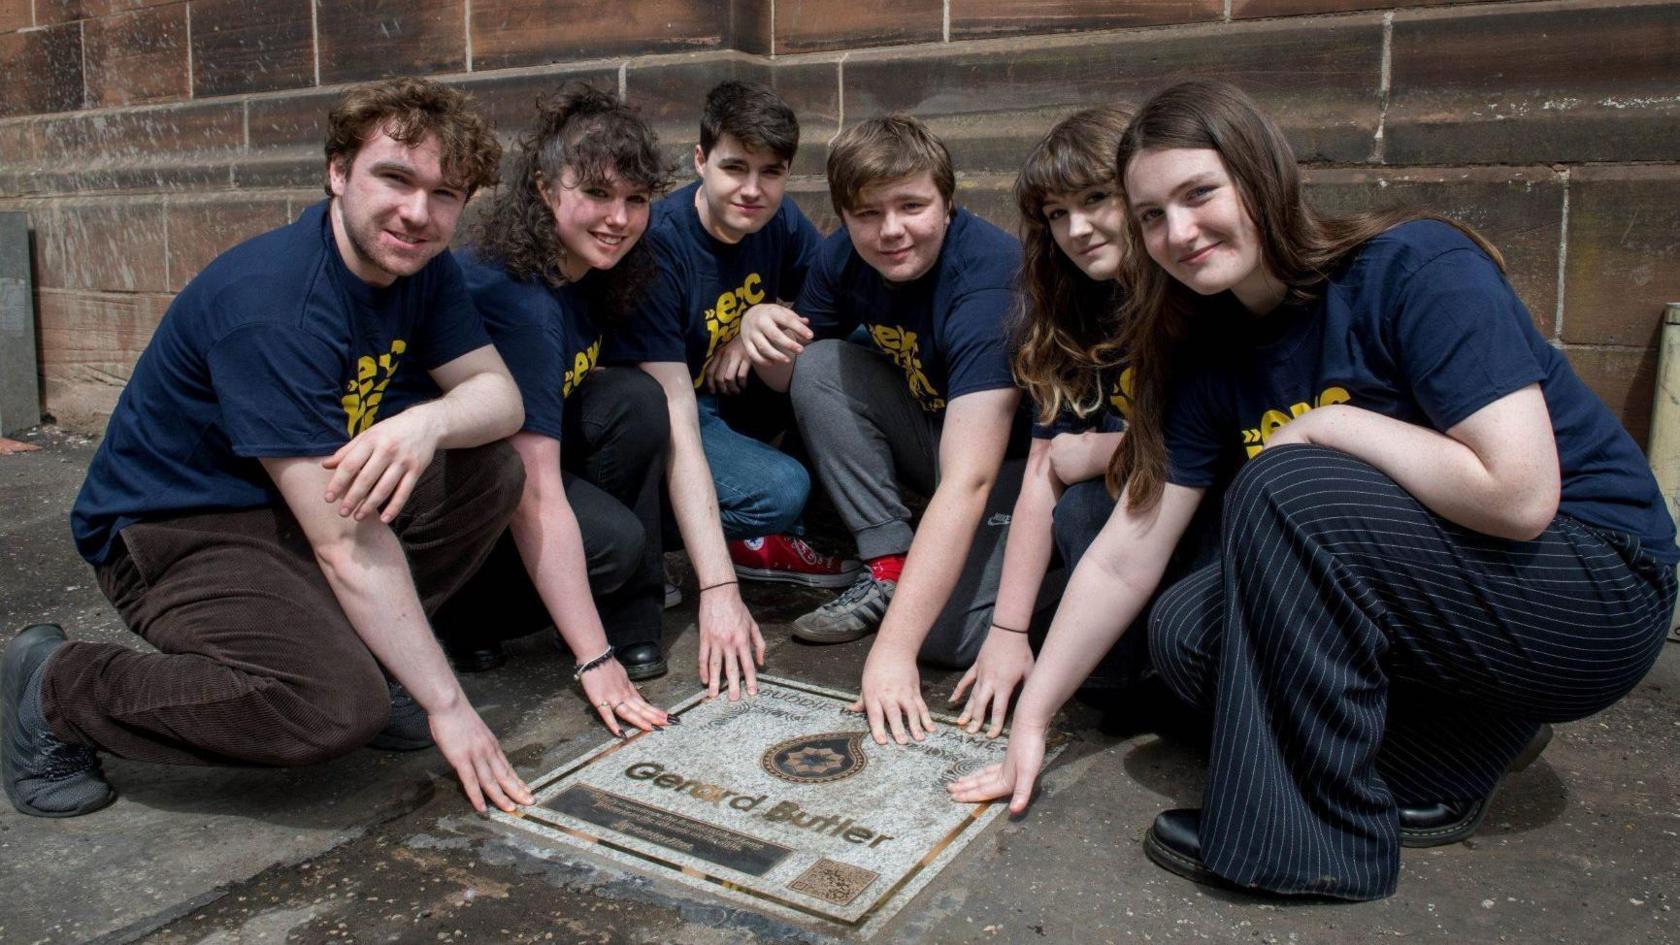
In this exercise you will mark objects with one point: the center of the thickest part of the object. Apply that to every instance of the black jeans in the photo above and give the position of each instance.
(612, 462)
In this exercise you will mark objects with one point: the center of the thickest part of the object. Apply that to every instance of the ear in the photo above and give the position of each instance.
(338, 174)
(699, 160)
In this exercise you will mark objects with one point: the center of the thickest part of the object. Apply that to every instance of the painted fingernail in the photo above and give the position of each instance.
(673, 720)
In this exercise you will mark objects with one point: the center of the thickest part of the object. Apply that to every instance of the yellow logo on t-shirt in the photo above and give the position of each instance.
(723, 319)
(1120, 395)
(363, 393)
(901, 345)
(1254, 439)
(582, 363)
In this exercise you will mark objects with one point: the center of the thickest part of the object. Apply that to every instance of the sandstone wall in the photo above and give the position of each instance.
(143, 137)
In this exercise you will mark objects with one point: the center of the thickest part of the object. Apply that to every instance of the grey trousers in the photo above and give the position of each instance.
(869, 440)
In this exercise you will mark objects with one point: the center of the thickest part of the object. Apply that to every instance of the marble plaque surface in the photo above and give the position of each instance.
(781, 803)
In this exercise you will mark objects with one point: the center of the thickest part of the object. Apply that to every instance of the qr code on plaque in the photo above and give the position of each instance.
(834, 882)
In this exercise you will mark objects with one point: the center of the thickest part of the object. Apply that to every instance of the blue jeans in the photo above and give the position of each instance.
(760, 490)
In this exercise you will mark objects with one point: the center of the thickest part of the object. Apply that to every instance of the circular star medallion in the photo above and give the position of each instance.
(817, 759)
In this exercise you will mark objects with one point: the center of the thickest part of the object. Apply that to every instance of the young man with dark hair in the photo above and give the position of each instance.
(262, 516)
(727, 245)
(929, 405)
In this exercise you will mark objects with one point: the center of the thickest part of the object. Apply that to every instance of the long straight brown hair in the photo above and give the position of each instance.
(1299, 246)
(1066, 335)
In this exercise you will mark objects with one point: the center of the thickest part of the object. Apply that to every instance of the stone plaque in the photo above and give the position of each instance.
(782, 803)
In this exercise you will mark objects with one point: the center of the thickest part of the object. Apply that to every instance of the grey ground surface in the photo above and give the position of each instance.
(1582, 847)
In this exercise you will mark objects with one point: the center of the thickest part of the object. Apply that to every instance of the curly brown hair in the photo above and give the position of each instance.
(409, 109)
(1066, 334)
(596, 137)
(1300, 247)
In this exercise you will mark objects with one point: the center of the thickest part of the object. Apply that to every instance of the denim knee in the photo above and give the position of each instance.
(769, 505)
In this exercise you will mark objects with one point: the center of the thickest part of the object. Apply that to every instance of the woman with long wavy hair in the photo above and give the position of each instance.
(1437, 539)
(553, 266)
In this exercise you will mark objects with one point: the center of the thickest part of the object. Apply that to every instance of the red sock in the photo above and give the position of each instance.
(886, 567)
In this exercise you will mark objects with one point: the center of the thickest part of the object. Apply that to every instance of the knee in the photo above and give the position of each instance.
(1268, 488)
(616, 553)
(778, 498)
(1174, 639)
(634, 418)
(497, 478)
(1078, 516)
(343, 714)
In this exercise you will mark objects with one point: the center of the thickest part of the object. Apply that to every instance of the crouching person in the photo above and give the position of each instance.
(264, 517)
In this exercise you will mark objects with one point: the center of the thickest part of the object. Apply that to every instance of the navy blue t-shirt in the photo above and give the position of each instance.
(546, 335)
(704, 285)
(1421, 326)
(274, 350)
(946, 330)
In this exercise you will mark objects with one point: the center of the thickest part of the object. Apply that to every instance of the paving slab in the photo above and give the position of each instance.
(1584, 846)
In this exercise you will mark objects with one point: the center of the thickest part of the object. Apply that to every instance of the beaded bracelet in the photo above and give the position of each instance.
(1010, 629)
(597, 661)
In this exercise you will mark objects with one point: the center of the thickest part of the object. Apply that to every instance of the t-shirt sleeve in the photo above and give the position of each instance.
(450, 326)
(1194, 431)
(802, 242)
(279, 392)
(976, 347)
(1461, 337)
(655, 329)
(821, 300)
(523, 320)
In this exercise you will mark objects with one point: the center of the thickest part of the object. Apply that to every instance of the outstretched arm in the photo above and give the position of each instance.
(365, 566)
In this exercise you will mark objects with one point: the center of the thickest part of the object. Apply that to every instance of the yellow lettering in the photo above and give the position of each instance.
(726, 307)
(751, 289)
(1334, 395)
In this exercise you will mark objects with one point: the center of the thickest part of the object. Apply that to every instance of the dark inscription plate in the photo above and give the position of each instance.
(673, 831)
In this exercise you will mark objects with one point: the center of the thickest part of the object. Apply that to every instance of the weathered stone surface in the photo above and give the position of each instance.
(243, 47)
(975, 19)
(811, 25)
(750, 26)
(508, 102)
(1623, 262)
(59, 11)
(289, 121)
(201, 229)
(89, 342)
(670, 95)
(139, 57)
(107, 246)
(366, 39)
(1519, 210)
(44, 70)
(990, 99)
(1536, 83)
(138, 135)
(1624, 378)
(1241, 9)
(16, 15)
(507, 33)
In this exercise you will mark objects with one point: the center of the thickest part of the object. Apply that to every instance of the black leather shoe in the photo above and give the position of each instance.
(642, 660)
(1446, 822)
(1174, 843)
(475, 657)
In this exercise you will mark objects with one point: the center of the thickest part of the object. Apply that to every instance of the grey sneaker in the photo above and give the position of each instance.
(44, 777)
(408, 728)
(855, 614)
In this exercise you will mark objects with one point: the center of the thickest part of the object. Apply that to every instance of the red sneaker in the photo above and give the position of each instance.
(786, 558)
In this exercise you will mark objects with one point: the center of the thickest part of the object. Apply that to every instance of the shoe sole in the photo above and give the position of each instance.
(820, 637)
(1174, 862)
(640, 671)
(14, 675)
(830, 581)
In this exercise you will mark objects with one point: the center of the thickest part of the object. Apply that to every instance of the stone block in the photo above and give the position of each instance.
(300, 168)
(290, 121)
(1623, 260)
(139, 57)
(991, 99)
(139, 135)
(811, 25)
(20, 393)
(508, 102)
(750, 26)
(1518, 210)
(366, 39)
(510, 33)
(89, 342)
(200, 230)
(1536, 83)
(977, 19)
(240, 47)
(1624, 378)
(44, 70)
(1246, 9)
(16, 15)
(670, 95)
(60, 11)
(107, 246)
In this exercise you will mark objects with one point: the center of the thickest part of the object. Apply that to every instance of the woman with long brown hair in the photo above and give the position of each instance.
(1436, 541)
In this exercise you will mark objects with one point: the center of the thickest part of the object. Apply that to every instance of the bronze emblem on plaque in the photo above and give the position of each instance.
(833, 881)
(817, 759)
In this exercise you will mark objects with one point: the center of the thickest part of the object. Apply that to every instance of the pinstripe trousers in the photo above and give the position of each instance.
(1358, 652)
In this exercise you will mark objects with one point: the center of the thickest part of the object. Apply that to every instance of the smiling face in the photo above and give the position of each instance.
(1087, 226)
(392, 208)
(597, 221)
(740, 188)
(1195, 227)
(898, 226)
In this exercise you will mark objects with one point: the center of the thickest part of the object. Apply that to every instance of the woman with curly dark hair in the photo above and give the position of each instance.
(553, 267)
(1437, 539)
